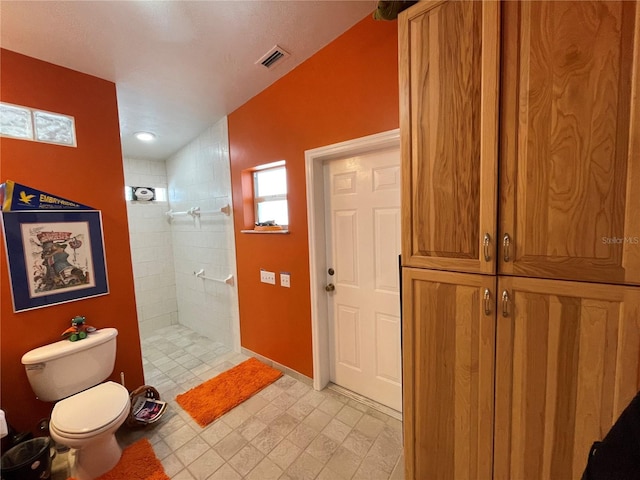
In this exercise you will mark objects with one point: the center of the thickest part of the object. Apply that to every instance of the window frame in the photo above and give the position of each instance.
(257, 199)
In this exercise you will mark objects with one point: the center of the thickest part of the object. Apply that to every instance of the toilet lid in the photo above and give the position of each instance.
(91, 409)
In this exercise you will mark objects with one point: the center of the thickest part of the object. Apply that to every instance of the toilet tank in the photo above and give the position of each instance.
(63, 368)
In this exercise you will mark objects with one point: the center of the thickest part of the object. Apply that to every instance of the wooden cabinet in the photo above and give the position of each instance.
(520, 124)
(448, 61)
(566, 366)
(448, 361)
(570, 140)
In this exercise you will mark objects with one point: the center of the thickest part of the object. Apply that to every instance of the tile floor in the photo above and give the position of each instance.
(288, 431)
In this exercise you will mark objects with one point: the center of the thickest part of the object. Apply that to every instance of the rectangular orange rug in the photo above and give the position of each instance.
(138, 462)
(217, 396)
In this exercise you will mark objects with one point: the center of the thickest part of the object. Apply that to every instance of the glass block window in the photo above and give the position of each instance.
(15, 121)
(270, 195)
(30, 124)
(54, 128)
(161, 194)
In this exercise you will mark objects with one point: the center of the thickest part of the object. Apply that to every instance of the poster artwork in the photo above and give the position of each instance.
(58, 257)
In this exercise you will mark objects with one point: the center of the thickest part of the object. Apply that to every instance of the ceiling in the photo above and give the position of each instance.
(178, 66)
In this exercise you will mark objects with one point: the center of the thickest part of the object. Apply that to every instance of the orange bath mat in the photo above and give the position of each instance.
(138, 462)
(213, 398)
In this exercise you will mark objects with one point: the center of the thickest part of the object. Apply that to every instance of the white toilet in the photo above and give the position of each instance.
(87, 413)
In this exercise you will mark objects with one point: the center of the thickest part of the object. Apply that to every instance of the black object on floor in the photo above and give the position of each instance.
(30, 460)
(617, 456)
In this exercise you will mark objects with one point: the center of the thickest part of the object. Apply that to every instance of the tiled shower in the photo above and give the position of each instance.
(166, 252)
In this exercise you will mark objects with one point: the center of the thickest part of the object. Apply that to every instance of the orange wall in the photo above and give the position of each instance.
(90, 174)
(347, 90)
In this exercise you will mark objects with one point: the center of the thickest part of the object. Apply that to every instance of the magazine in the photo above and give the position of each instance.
(148, 410)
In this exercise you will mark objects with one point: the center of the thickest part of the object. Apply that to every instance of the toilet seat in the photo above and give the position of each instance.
(91, 411)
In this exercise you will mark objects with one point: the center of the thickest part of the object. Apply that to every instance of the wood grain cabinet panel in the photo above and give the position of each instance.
(448, 61)
(554, 186)
(570, 135)
(448, 343)
(566, 367)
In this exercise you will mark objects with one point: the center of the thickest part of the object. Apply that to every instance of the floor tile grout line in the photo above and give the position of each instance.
(320, 453)
(324, 465)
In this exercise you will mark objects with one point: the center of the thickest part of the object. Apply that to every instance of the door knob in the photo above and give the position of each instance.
(330, 287)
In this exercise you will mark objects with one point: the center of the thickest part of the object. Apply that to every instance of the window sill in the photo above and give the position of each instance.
(268, 232)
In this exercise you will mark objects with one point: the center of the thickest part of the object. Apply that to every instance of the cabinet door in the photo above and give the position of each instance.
(570, 140)
(448, 62)
(448, 364)
(566, 366)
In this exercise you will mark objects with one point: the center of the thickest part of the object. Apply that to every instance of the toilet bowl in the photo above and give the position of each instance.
(87, 422)
(86, 413)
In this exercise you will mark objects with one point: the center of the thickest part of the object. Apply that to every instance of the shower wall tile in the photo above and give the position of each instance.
(199, 176)
(151, 249)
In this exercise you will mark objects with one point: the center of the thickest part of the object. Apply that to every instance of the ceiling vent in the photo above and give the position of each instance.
(273, 56)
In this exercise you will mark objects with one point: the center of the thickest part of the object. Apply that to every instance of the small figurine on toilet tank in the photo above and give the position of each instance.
(78, 330)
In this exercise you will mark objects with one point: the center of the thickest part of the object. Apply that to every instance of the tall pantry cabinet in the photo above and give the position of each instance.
(521, 233)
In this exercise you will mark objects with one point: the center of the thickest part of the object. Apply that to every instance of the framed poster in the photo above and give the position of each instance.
(54, 256)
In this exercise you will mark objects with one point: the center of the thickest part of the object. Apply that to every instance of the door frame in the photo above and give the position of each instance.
(314, 162)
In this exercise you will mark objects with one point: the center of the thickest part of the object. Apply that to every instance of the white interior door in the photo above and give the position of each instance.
(362, 212)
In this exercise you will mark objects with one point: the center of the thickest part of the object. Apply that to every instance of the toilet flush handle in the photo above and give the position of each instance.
(35, 366)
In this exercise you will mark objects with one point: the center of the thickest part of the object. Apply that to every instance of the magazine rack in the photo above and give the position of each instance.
(146, 391)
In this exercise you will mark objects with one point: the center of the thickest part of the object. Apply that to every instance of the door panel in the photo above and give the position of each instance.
(386, 265)
(569, 169)
(448, 122)
(345, 223)
(363, 239)
(566, 366)
(348, 327)
(448, 343)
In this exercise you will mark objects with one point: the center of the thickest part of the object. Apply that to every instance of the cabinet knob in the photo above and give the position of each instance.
(505, 303)
(486, 243)
(330, 287)
(487, 302)
(506, 243)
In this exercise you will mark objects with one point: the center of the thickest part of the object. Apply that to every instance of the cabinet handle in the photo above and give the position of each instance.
(505, 303)
(506, 243)
(487, 302)
(485, 243)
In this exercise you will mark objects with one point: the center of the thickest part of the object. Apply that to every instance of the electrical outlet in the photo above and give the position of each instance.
(285, 279)
(267, 277)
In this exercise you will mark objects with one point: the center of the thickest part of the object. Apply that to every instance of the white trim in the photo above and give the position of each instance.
(278, 366)
(257, 199)
(314, 160)
(365, 401)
